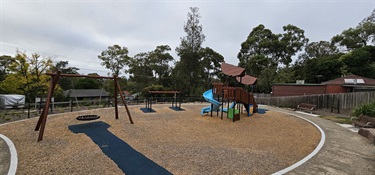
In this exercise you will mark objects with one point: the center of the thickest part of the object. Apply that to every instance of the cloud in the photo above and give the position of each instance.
(79, 30)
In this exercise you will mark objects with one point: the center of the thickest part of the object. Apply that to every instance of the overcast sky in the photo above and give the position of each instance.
(79, 30)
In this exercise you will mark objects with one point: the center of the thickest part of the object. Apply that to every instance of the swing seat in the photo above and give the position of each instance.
(87, 117)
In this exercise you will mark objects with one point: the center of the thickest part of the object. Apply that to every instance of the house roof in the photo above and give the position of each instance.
(295, 84)
(86, 93)
(231, 70)
(351, 80)
(247, 80)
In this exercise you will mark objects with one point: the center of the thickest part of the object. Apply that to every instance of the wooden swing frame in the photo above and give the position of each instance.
(55, 76)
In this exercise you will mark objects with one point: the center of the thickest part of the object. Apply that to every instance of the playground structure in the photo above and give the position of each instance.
(233, 95)
(176, 101)
(55, 76)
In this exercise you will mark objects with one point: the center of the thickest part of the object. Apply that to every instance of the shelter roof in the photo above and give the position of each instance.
(247, 80)
(351, 79)
(231, 70)
(86, 93)
(164, 92)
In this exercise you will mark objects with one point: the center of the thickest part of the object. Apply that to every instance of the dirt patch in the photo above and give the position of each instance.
(180, 142)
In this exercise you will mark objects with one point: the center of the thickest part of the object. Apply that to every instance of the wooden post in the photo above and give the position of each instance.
(115, 95)
(71, 105)
(40, 126)
(43, 117)
(221, 92)
(28, 110)
(211, 108)
(180, 101)
(124, 102)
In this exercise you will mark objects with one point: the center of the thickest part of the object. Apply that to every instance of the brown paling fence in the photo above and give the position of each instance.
(323, 101)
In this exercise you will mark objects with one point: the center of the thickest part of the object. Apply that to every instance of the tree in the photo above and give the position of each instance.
(263, 52)
(5, 62)
(189, 52)
(88, 83)
(115, 58)
(257, 45)
(66, 83)
(159, 59)
(323, 69)
(368, 28)
(291, 42)
(317, 50)
(370, 18)
(361, 35)
(278, 47)
(367, 32)
(285, 75)
(349, 39)
(141, 71)
(312, 50)
(150, 68)
(210, 65)
(360, 62)
(27, 76)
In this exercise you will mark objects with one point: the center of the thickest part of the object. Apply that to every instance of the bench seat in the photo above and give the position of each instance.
(306, 107)
(364, 122)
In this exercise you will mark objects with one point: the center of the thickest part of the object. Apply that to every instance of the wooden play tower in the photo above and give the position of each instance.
(239, 95)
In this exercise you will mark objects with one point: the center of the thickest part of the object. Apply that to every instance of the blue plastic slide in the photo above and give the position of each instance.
(210, 98)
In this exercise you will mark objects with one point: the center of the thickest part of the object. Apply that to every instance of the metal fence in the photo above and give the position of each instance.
(323, 101)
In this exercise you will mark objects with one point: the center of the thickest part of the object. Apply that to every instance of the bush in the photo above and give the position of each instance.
(365, 109)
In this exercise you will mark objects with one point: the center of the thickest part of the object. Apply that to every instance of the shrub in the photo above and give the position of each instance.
(365, 109)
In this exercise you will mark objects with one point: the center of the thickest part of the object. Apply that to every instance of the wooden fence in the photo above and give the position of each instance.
(323, 101)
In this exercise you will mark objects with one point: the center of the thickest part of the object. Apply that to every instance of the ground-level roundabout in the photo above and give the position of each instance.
(164, 142)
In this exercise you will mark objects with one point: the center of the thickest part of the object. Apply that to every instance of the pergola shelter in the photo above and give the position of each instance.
(176, 101)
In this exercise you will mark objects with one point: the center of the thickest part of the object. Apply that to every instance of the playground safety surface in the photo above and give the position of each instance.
(163, 142)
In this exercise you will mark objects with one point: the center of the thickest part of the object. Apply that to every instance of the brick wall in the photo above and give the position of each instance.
(297, 90)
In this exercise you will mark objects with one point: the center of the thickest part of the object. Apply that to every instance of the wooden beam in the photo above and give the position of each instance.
(43, 117)
(115, 96)
(40, 126)
(124, 102)
(82, 76)
(164, 92)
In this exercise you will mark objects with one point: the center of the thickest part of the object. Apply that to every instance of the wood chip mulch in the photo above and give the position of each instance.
(181, 142)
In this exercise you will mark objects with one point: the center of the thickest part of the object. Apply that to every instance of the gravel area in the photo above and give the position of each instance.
(181, 142)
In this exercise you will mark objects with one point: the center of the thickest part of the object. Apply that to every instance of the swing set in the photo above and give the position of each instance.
(55, 76)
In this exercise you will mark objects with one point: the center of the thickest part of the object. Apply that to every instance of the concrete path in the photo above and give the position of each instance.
(344, 151)
(4, 157)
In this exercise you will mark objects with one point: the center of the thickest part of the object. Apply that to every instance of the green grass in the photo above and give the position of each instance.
(337, 119)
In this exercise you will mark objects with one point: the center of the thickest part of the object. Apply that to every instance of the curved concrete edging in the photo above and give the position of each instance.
(13, 155)
(312, 154)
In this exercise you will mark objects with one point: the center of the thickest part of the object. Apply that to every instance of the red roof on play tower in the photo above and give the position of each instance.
(231, 70)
